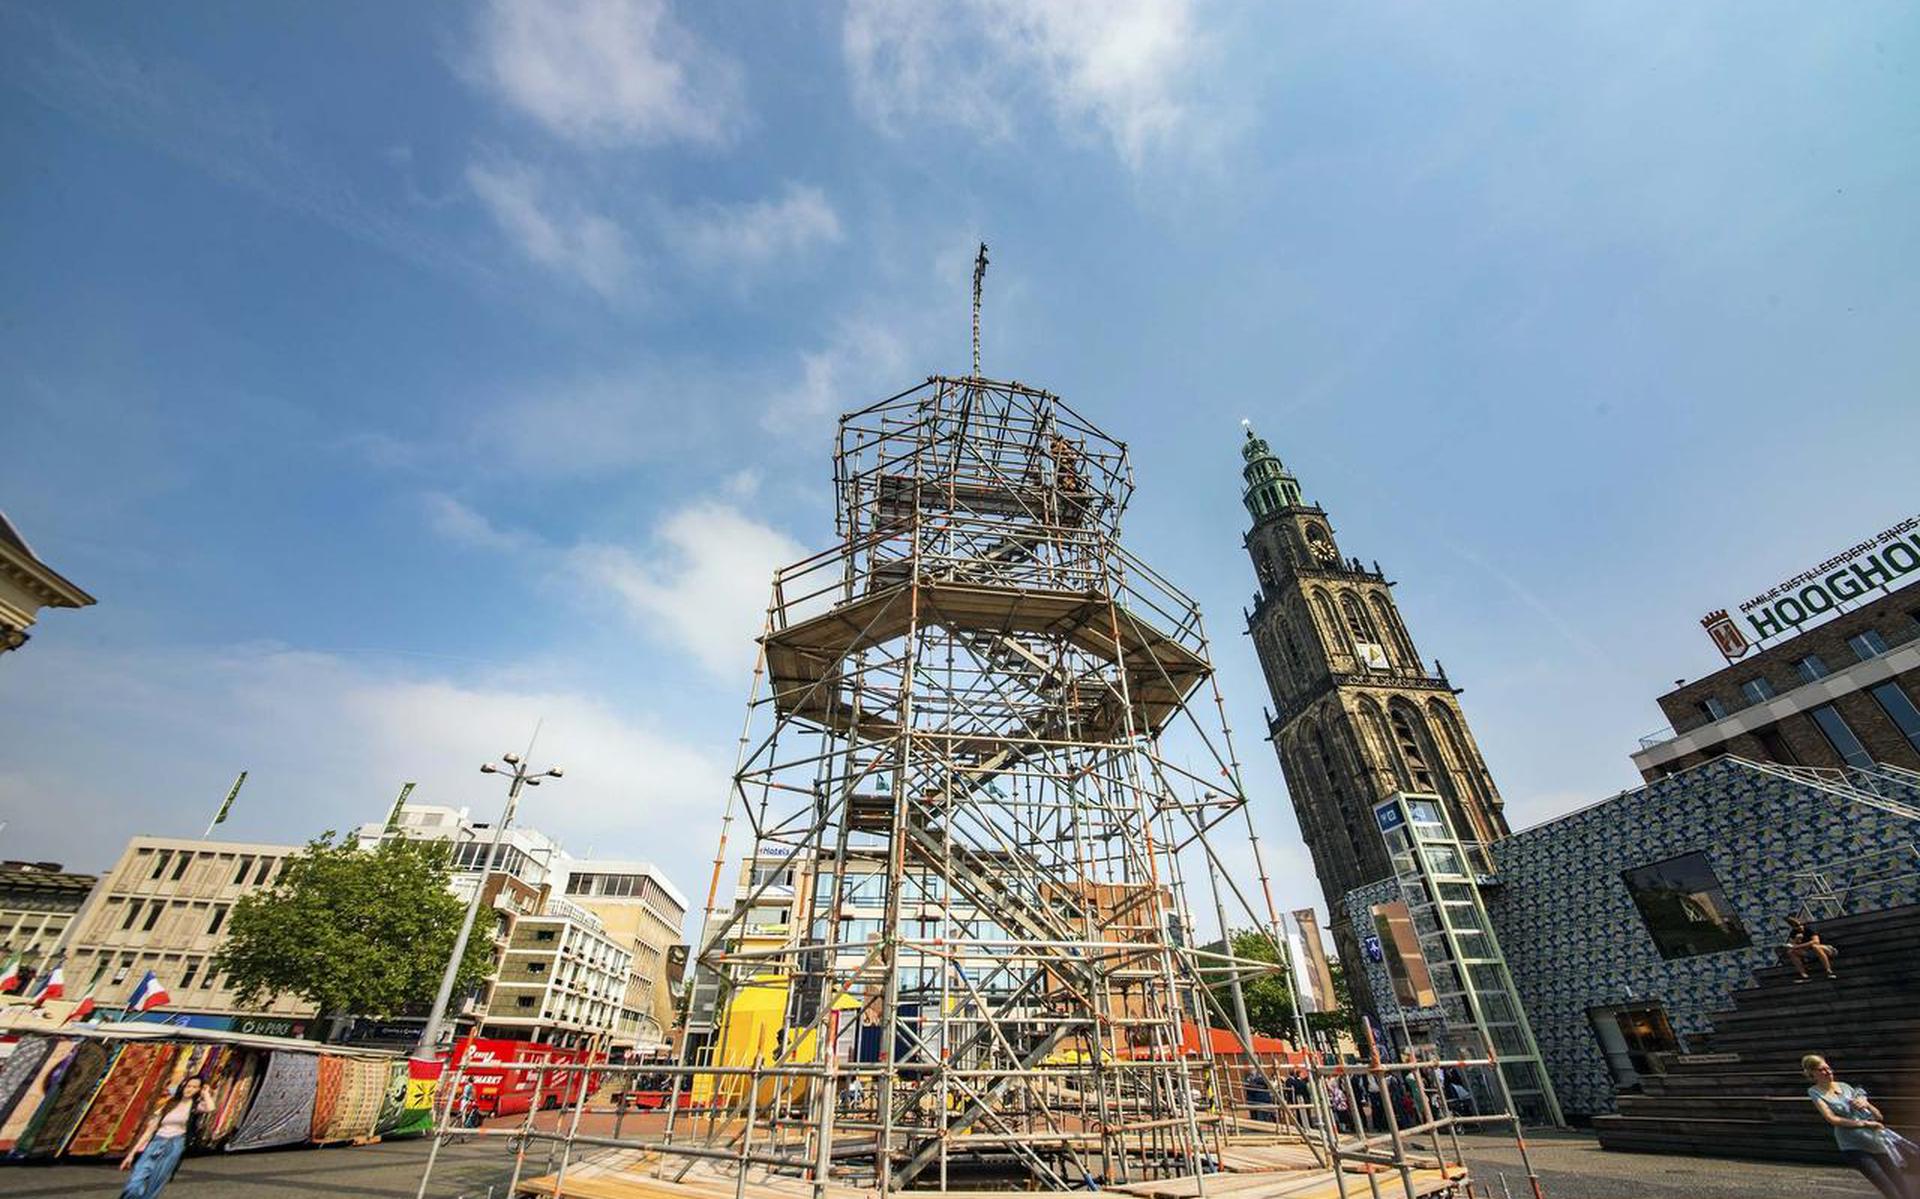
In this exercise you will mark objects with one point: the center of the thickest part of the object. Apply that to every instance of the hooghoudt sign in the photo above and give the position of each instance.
(1876, 563)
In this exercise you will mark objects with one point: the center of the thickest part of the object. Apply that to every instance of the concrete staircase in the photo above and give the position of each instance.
(1740, 1092)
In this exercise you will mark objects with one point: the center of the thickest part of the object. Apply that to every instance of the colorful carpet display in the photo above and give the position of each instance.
(23, 1067)
(232, 1086)
(393, 1104)
(363, 1085)
(119, 1109)
(326, 1096)
(282, 1109)
(79, 1076)
(89, 1095)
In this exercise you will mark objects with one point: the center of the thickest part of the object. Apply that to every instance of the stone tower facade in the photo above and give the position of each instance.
(1356, 715)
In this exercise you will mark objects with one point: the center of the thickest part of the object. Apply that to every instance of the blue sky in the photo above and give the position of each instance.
(398, 376)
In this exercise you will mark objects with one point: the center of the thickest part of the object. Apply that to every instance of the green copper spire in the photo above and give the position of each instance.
(1269, 486)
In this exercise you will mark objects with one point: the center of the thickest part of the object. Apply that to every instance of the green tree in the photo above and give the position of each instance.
(1269, 1000)
(352, 931)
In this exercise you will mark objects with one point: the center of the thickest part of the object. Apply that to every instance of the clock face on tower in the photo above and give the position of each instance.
(1318, 543)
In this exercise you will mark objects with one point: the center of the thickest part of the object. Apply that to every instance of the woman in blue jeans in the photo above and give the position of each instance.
(154, 1156)
(1865, 1141)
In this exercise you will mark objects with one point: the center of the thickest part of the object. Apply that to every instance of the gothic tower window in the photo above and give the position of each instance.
(1418, 772)
(1381, 759)
(1330, 627)
(1392, 630)
(1356, 619)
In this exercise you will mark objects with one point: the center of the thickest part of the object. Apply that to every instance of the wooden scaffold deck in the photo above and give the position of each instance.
(1269, 1171)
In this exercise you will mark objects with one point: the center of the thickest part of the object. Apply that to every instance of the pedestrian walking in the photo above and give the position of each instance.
(1337, 1100)
(157, 1152)
(1866, 1143)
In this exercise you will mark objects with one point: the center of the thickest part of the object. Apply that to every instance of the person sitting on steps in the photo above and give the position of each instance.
(1804, 942)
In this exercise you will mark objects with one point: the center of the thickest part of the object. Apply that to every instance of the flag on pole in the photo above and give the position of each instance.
(226, 805)
(393, 817)
(81, 1010)
(148, 995)
(52, 986)
(10, 975)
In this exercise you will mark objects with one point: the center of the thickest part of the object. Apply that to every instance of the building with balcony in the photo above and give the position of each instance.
(556, 924)
(1842, 693)
(562, 979)
(645, 913)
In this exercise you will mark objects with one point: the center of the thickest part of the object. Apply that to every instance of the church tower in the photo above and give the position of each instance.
(1356, 715)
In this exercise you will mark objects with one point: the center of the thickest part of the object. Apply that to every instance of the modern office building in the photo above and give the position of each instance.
(163, 907)
(534, 994)
(645, 914)
(1627, 925)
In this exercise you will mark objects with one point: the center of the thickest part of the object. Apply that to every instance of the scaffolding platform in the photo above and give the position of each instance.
(1279, 1171)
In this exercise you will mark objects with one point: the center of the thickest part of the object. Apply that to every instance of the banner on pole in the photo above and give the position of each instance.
(393, 817)
(227, 804)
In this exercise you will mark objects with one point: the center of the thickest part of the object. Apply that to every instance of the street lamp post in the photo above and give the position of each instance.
(428, 1046)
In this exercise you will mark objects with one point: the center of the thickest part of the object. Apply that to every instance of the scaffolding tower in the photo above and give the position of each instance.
(980, 949)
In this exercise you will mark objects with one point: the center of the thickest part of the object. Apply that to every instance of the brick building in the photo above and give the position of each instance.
(1842, 693)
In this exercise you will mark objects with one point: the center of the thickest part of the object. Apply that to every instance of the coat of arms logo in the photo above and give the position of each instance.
(1726, 635)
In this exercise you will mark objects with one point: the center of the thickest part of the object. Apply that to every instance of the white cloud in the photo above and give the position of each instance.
(460, 524)
(704, 586)
(610, 71)
(1126, 66)
(747, 237)
(564, 238)
(860, 363)
(327, 739)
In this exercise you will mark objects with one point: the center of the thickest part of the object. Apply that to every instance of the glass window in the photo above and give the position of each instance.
(153, 916)
(133, 913)
(1899, 709)
(1840, 736)
(1776, 747)
(1757, 690)
(1869, 644)
(1684, 908)
(260, 876)
(240, 875)
(160, 863)
(1399, 951)
(1812, 667)
(186, 860)
(219, 918)
(1713, 709)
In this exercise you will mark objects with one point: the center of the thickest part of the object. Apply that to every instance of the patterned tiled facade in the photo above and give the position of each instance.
(1575, 941)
